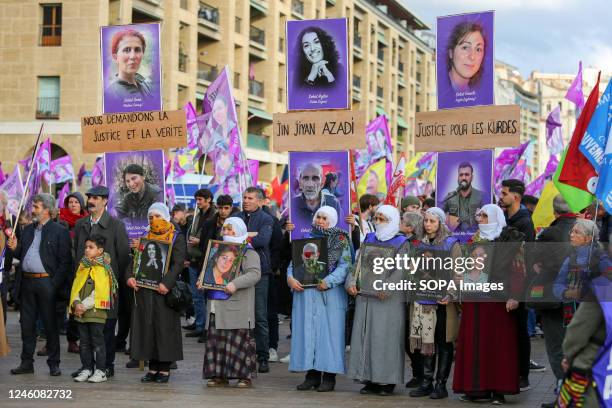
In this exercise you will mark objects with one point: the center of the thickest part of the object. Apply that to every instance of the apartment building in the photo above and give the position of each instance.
(50, 64)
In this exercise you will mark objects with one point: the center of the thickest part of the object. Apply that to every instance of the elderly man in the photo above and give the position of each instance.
(46, 262)
(311, 197)
(100, 222)
(312, 269)
(461, 204)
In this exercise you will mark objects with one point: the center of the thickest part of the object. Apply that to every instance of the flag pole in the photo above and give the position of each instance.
(27, 184)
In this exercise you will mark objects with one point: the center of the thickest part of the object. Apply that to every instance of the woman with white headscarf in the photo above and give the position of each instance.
(318, 313)
(434, 324)
(155, 332)
(377, 341)
(488, 336)
(230, 342)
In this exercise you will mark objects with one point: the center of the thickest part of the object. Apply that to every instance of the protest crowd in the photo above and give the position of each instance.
(126, 264)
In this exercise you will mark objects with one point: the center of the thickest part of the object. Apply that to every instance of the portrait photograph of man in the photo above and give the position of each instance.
(308, 174)
(464, 185)
(309, 258)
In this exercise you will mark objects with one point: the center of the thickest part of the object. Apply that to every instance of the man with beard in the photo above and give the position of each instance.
(141, 194)
(311, 270)
(461, 205)
(44, 252)
(100, 222)
(311, 197)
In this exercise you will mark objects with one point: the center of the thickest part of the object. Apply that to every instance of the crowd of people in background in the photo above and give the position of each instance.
(73, 274)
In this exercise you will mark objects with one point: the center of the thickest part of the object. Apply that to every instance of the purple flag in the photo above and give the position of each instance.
(13, 188)
(554, 135)
(177, 169)
(2, 176)
(378, 146)
(63, 194)
(170, 196)
(254, 170)
(574, 92)
(167, 167)
(62, 169)
(505, 164)
(81, 174)
(43, 160)
(97, 174)
(193, 133)
(536, 186)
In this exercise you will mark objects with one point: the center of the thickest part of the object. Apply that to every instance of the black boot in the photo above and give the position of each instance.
(370, 388)
(445, 362)
(426, 386)
(386, 390)
(328, 383)
(312, 381)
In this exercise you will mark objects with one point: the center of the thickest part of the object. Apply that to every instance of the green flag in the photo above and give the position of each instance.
(576, 198)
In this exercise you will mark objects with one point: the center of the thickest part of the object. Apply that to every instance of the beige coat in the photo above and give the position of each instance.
(238, 312)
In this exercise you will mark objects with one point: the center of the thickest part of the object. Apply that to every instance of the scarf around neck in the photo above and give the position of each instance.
(337, 240)
(161, 230)
(103, 260)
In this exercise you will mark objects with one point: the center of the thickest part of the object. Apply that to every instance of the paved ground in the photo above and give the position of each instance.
(186, 388)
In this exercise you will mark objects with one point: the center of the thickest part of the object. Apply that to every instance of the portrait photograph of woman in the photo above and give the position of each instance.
(317, 64)
(465, 64)
(151, 263)
(221, 264)
(131, 68)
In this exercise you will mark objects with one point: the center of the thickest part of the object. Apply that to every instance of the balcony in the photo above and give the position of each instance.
(297, 8)
(256, 89)
(50, 35)
(208, 21)
(48, 107)
(357, 50)
(182, 62)
(207, 72)
(260, 8)
(259, 142)
(257, 42)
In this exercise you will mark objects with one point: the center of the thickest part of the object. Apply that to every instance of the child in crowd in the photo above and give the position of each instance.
(91, 296)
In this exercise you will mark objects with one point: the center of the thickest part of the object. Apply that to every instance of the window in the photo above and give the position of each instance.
(51, 27)
(48, 98)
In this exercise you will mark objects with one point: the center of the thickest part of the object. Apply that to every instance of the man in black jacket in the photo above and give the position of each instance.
(258, 221)
(552, 245)
(100, 222)
(46, 263)
(205, 211)
(519, 217)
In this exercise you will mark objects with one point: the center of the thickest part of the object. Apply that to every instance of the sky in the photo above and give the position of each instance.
(538, 35)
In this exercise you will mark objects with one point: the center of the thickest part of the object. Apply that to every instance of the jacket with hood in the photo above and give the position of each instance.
(522, 222)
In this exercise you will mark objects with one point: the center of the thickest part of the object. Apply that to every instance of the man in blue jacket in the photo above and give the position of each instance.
(46, 261)
(257, 220)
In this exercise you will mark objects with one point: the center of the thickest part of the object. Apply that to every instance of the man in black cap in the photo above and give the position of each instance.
(44, 252)
(100, 222)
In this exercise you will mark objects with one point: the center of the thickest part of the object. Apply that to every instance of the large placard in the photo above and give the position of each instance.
(325, 130)
(121, 132)
(483, 127)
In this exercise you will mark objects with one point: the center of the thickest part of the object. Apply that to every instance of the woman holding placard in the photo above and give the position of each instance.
(377, 341)
(318, 313)
(230, 343)
(156, 328)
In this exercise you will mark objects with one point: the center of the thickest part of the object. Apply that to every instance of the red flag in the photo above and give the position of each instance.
(353, 186)
(577, 170)
(277, 191)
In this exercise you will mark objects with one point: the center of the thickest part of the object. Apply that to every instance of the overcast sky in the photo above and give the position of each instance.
(543, 35)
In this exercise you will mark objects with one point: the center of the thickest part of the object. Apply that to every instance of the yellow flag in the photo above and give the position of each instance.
(411, 166)
(374, 180)
(543, 213)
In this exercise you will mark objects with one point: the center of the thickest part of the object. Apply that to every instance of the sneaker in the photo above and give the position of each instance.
(524, 384)
(347, 348)
(498, 399)
(273, 356)
(285, 360)
(535, 367)
(83, 376)
(97, 377)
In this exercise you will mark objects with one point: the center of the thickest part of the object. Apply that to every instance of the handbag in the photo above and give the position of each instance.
(179, 297)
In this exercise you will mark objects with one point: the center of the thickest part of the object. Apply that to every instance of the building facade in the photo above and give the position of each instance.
(50, 65)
